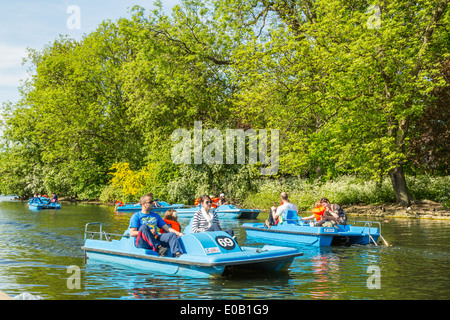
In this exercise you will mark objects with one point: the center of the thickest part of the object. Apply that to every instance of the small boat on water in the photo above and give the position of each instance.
(229, 211)
(41, 203)
(208, 254)
(162, 208)
(297, 232)
(226, 211)
(189, 212)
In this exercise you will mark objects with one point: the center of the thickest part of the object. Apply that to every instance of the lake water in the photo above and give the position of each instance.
(37, 248)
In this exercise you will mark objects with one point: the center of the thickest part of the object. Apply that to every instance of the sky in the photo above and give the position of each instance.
(35, 23)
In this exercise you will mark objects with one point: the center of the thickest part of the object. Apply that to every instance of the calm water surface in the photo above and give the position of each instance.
(36, 249)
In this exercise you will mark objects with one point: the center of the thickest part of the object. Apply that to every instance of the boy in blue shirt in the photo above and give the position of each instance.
(143, 226)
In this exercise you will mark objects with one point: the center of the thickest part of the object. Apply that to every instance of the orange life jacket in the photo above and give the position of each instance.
(318, 212)
(214, 202)
(119, 203)
(172, 224)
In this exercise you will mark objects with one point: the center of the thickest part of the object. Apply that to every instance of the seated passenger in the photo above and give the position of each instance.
(214, 201)
(222, 200)
(205, 220)
(54, 198)
(118, 204)
(171, 218)
(155, 202)
(318, 211)
(143, 226)
(333, 212)
(275, 213)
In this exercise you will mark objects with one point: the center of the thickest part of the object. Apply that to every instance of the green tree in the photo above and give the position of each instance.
(343, 80)
(71, 120)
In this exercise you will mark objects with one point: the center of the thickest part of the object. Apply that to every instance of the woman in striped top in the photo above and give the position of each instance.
(205, 220)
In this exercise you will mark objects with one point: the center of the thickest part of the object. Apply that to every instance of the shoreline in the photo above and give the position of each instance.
(419, 209)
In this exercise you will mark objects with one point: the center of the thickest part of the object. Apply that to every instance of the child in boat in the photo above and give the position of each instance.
(171, 218)
(318, 212)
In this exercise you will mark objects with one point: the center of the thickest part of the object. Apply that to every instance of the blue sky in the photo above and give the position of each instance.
(35, 23)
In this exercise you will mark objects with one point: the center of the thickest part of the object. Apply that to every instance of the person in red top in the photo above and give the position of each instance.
(171, 218)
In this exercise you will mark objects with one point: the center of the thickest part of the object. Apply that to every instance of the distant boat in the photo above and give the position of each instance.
(230, 211)
(164, 206)
(297, 232)
(42, 203)
(226, 211)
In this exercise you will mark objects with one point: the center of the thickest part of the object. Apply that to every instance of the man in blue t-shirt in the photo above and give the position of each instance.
(143, 226)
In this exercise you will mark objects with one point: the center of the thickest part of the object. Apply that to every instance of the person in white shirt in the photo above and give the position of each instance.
(275, 213)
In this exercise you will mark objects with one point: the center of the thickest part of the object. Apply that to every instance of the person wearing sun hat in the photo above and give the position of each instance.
(222, 200)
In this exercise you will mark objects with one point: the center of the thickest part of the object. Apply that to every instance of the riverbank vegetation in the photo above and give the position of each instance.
(359, 94)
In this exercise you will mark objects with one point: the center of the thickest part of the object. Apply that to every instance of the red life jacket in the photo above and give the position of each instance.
(172, 224)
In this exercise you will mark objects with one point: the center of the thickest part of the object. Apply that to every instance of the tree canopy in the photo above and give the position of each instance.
(347, 84)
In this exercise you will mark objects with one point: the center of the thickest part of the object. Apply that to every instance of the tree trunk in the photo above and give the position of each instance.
(399, 183)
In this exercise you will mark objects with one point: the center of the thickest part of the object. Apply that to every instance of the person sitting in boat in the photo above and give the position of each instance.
(205, 220)
(318, 211)
(222, 200)
(35, 198)
(333, 212)
(54, 198)
(155, 202)
(214, 201)
(275, 212)
(143, 226)
(171, 218)
(118, 204)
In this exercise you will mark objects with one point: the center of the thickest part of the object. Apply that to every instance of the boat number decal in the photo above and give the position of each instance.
(329, 230)
(225, 242)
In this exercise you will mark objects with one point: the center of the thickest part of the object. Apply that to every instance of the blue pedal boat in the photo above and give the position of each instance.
(134, 207)
(226, 211)
(208, 254)
(229, 211)
(297, 232)
(189, 212)
(42, 203)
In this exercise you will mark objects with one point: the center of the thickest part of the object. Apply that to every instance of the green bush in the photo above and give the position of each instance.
(431, 188)
(345, 190)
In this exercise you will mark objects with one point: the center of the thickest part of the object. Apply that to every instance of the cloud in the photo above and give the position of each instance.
(12, 72)
(12, 79)
(11, 56)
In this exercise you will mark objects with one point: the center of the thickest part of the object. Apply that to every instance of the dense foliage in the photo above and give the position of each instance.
(347, 84)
